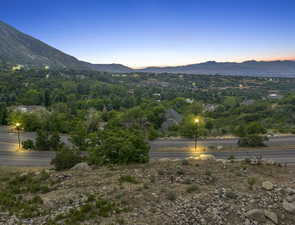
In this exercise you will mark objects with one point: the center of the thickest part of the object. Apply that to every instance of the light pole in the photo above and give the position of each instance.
(196, 132)
(18, 125)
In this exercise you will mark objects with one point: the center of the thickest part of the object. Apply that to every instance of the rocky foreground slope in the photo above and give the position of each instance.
(187, 192)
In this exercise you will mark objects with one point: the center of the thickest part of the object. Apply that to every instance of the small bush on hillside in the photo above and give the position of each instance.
(251, 182)
(171, 196)
(185, 162)
(66, 159)
(128, 179)
(192, 188)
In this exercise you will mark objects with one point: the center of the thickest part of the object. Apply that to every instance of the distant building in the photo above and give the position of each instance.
(17, 67)
(131, 91)
(274, 96)
(210, 107)
(28, 108)
(248, 102)
(172, 118)
(188, 100)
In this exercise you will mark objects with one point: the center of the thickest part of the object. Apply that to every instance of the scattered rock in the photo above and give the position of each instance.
(290, 198)
(269, 162)
(219, 147)
(290, 191)
(24, 174)
(289, 207)
(267, 185)
(207, 157)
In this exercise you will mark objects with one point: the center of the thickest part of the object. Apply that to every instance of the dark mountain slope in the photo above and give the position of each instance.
(19, 48)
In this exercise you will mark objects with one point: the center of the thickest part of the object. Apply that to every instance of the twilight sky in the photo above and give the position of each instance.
(140, 33)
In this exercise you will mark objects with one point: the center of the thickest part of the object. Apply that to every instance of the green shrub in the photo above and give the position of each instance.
(208, 173)
(105, 207)
(66, 159)
(153, 134)
(44, 175)
(11, 195)
(231, 157)
(179, 171)
(46, 141)
(120, 146)
(97, 207)
(28, 144)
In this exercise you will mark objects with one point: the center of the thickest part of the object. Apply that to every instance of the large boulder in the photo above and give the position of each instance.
(82, 166)
(261, 215)
(256, 214)
(271, 216)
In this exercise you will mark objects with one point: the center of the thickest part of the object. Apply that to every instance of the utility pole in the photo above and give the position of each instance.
(18, 125)
(196, 133)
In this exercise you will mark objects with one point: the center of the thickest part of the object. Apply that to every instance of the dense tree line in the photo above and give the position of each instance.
(81, 102)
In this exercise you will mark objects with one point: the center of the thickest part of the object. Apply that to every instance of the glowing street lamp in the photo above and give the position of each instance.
(18, 126)
(197, 121)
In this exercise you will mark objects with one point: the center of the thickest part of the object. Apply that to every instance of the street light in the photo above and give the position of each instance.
(197, 121)
(18, 126)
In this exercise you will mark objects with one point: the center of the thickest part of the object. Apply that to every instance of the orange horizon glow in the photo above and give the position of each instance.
(281, 59)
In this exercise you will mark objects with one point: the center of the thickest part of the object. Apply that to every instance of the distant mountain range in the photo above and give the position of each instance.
(19, 48)
(255, 68)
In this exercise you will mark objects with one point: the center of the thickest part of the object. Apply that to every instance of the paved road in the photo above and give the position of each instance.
(9, 156)
(39, 159)
(283, 156)
(187, 145)
(25, 159)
